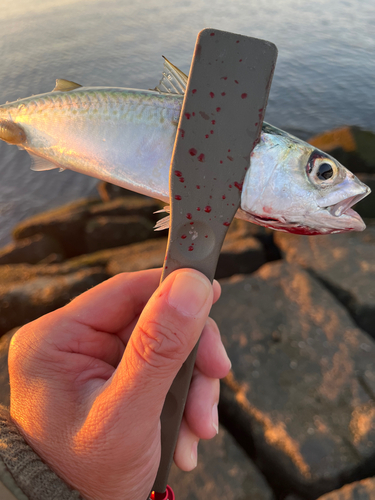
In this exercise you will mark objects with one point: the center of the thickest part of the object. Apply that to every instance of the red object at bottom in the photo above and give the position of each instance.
(168, 495)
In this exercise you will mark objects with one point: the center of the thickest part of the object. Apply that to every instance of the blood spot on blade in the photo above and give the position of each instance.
(182, 132)
(236, 81)
(198, 51)
(189, 216)
(198, 187)
(201, 158)
(224, 78)
(256, 124)
(187, 116)
(238, 41)
(192, 151)
(207, 136)
(183, 237)
(191, 223)
(260, 110)
(239, 185)
(199, 209)
(177, 173)
(223, 94)
(244, 95)
(221, 161)
(207, 209)
(212, 95)
(213, 122)
(218, 110)
(193, 113)
(228, 150)
(206, 235)
(226, 224)
(211, 131)
(212, 34)
(177, 197)
(223, 196)
(191, 248)
(181, 179)
(204, 115)
(230, 158)
(230, 186)
(193, 91)
(240, 60)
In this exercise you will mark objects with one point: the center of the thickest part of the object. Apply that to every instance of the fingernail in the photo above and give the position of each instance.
(225, 356)
(194, 453)
(215, 418)
(189, 292)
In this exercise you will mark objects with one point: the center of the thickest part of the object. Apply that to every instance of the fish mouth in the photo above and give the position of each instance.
(343, 207)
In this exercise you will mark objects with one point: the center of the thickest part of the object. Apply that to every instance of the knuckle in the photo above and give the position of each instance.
(158, 343)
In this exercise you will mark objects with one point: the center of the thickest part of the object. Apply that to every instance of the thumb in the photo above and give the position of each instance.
(167, 331)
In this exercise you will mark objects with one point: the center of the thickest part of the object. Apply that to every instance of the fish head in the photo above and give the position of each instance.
(292, 186)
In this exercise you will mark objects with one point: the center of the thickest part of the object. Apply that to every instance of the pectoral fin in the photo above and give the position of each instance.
(39, 164)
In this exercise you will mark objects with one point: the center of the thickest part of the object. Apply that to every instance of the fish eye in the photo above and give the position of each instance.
(325, 171)
(321, 170)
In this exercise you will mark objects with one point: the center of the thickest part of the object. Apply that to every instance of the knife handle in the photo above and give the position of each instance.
(204, 260)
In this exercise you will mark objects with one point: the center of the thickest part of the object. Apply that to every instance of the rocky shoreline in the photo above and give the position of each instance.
(297, 316)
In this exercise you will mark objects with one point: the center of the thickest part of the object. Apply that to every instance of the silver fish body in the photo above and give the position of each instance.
(126, 137)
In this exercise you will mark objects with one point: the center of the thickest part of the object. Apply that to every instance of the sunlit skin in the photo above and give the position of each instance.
(88, 381)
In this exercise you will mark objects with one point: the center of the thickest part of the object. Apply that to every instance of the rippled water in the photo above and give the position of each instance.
(324, 75)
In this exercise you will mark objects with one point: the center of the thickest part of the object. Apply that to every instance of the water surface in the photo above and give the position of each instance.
(324, 76)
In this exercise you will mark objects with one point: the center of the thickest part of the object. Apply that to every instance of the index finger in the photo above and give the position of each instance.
(113, 304)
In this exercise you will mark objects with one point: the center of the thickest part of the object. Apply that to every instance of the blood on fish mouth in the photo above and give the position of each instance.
(344, 206)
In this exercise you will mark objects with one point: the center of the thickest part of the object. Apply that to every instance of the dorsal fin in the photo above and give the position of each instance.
(65, 85)
(173, 80)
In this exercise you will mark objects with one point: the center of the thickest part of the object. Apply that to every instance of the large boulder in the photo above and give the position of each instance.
(115, 231)
(223, 472)
(4, 373)
(129, 205)
(359, 490)
(65, 224)
(31, 250)
(300, 399)
(21, 302)
(345, 263)
(366, 208)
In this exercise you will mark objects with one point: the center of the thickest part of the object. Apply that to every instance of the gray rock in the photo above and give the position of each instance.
(129, 205)
(21, 302)
(66, 224)
(345, 263)
(224, 472)
(116, 231)
(360, 490)
(146, 255)
(240, 255)
(366, 208)
(4, 373)
(302, 394)
(30, 250)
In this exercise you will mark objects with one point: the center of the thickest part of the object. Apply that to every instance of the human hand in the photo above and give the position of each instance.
(88, 381)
